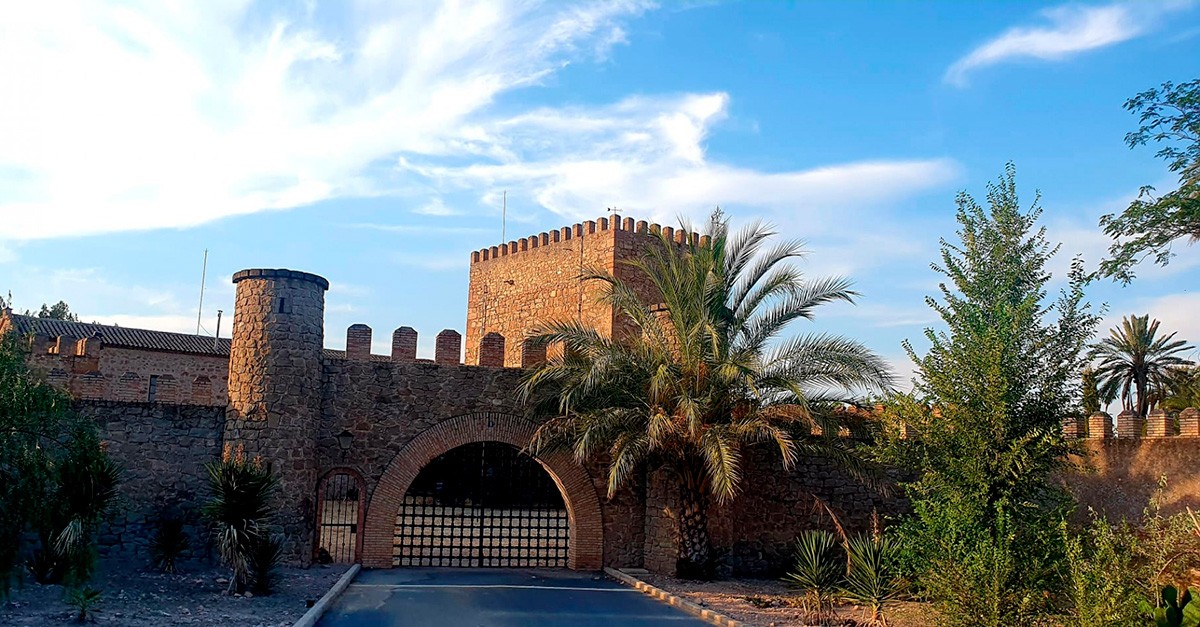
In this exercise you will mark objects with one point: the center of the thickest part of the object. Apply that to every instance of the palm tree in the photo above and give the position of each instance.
(703, 374)
(1137, 365)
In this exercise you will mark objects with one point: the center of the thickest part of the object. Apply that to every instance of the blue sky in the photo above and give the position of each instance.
(370, 142)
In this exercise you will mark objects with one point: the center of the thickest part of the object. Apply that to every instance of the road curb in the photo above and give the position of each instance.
(703, 614)
(319, 608)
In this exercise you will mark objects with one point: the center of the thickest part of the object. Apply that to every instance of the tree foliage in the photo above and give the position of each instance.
(1137, 365)
(1169, 115)
(987, 411)
(55, 478)
(704, 374)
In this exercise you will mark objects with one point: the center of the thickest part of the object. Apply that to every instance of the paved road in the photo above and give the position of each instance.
(495, 597)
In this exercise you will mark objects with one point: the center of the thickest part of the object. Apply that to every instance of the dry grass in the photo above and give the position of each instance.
(766, 602)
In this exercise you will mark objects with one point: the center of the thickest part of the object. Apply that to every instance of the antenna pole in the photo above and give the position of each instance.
(203, 276)
(504, 217)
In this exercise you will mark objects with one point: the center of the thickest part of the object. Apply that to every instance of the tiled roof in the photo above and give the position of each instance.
(144, 339)
(333, 353)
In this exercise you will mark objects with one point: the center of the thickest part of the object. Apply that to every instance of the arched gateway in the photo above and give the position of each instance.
(467, 439)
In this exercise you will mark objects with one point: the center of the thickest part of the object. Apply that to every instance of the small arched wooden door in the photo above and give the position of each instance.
(339, 518)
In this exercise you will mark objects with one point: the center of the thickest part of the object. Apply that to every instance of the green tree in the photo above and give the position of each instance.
(704, 375)
(1169, 115)
(55, 478)
(58, 311)
(1091, 392)
(1184, 389)
(987, 411)
(1136, 364)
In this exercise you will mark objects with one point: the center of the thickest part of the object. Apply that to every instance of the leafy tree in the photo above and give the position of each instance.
(1091, 393)
(1169, 115)
(987, 411)
(55, 478)
(1136, 364)
(1183, 389)
(58, 311)
(703, 376)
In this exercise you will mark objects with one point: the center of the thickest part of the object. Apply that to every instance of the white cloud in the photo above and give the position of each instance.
(137, 116)
(1073, 29)
(436, 207)
(647, 156)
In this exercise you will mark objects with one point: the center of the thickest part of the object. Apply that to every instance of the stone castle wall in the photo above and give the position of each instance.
(275, 387)
(122, 374)
(162, 450)
(520, 284)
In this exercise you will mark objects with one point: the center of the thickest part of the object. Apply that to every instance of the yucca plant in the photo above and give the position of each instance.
(170, 542)
(872, 578)
(83, 601)
(239, 509)
(818, 569)
(268, 553)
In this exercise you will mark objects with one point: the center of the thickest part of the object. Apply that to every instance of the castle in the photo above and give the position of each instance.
(391, 460)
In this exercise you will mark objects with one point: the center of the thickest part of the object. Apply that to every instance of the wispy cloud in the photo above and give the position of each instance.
(647, 156)
(146, 115)
(1072, 29)
(419, 229)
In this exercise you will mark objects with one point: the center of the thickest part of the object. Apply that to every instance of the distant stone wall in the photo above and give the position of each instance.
(114, 373)
(162, 450)
(1120, 469)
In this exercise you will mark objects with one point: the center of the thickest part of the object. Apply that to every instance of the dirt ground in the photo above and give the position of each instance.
(767, 603)
(135, 597)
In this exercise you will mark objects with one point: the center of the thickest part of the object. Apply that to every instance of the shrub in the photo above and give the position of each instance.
(873, 576)
(1102, 580)
(83, 601)
(55, 478)
(268, 552)
(169, 544)
(239, 509)
(818, 570)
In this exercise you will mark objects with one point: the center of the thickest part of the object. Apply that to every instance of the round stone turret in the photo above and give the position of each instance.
(275, 383)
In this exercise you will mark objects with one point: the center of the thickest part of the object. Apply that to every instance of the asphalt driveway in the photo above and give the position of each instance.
(487, 597)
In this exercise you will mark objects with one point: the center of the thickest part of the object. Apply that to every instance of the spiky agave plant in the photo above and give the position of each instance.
(239, 509)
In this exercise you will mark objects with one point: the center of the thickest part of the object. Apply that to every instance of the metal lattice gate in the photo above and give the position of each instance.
(340, 516)
(482, 504)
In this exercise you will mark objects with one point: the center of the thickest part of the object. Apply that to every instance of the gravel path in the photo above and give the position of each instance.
(138, 598)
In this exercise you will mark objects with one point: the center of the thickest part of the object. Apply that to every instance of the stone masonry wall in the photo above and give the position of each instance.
(387, 404)
(274, 387)
(162, 450)
(519, 284)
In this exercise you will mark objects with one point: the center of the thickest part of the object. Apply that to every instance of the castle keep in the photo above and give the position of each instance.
(392, 460)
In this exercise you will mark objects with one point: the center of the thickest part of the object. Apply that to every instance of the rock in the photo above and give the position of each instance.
(222, 580)
(249, 595)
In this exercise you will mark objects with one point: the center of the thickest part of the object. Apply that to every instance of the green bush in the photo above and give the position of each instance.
(818, 569)
(1102, 580)
(55, 478)
(239, 509)
(169, 543)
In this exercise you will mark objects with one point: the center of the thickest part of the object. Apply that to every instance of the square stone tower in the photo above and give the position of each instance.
(519, 284)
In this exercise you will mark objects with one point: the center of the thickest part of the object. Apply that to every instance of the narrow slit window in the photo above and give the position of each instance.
(153, 390)
(282, 304)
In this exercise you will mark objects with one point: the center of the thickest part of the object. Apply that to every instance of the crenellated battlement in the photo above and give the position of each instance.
(1158, 424)
(583, 229)
(447, 348)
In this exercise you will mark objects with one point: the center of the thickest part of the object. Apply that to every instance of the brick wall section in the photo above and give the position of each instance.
(522, 283)
(274, 387)
(162, 450)
(404, 344)
(447, 349)
(491, 350)
(127, 373)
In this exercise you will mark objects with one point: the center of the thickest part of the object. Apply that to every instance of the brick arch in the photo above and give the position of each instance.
(583, 506)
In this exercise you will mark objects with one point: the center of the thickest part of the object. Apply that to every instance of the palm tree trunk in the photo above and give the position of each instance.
(695, 547)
